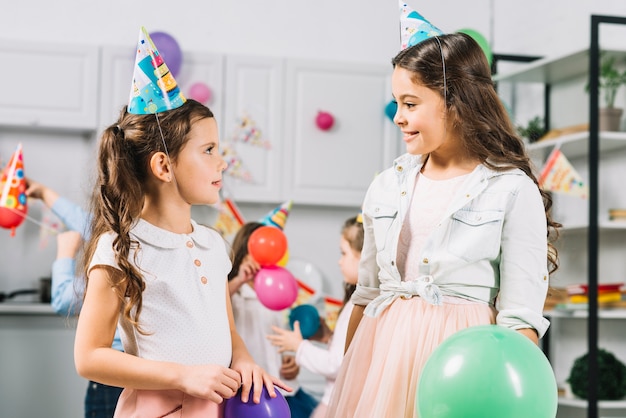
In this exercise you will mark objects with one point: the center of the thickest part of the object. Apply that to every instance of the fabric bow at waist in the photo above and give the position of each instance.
(423, 287)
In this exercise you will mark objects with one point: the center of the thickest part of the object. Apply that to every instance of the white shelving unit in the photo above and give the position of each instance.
(587, 241)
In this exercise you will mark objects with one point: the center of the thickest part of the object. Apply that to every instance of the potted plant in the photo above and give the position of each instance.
(609, 81)
(533, 130)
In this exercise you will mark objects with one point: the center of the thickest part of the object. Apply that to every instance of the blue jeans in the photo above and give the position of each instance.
(100, 400)
(301, 404)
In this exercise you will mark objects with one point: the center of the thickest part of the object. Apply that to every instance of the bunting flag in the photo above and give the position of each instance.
(248, 132)
(229, 219)
(235, 167)
(332, 307)
(559, 176)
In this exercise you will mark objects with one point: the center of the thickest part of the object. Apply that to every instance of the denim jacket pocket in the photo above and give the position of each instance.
(475, 235)
(382, 219)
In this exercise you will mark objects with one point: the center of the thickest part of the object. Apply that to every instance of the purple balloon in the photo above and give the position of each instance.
(268, 407)
(169, 49)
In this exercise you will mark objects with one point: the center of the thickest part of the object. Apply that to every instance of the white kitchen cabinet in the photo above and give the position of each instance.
(569, 335)
(117, 72)
(49, 86)
(335, 167)
(254, 95)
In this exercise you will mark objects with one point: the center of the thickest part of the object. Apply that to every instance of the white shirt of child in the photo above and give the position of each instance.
(184, 302)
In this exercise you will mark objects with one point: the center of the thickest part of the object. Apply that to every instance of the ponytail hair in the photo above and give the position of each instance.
(123, 167)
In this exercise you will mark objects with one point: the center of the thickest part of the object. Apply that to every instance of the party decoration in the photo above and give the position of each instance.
(414, 28)
(558, 175)
(487, 371)
(170, 50)
(284, 260)
(391, 109)
(235, 167)
(481, 41)
(277, 217)
(275, 287)
(200, 92)
(332, 307)
(308, 318)
(154, 88)
(267, 245)
(324, 120)
(247, 131)
(268, 407)
(13, 205)
(229, 219)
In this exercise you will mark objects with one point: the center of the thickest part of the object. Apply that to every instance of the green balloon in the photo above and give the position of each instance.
(482, 42)
(487, 371)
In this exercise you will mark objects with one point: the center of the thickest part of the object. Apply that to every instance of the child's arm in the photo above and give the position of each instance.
(355, 319)
(97, 361)
(250, 372)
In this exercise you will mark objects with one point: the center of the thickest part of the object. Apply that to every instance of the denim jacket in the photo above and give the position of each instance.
(490, 245)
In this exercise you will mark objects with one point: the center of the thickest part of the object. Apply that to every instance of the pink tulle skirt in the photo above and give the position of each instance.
(379, 374)
(164, 404)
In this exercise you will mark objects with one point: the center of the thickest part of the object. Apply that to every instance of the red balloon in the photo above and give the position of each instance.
(275, 287)
(11, 218)
(267, 245)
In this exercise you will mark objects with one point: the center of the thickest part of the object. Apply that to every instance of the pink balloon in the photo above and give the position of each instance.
(200, 92)
(324, 120)
(275, 287)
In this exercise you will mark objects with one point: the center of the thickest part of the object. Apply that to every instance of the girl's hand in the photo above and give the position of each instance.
(286, 340)
(252, 375)
(247, 270)
(210, 381)
(289, 369)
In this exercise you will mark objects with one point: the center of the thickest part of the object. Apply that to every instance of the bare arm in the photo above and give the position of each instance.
(531, 333)
(96, 360)
(355, 320)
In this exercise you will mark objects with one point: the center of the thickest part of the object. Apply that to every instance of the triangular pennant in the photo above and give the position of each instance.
(247, 131)
(559, 176)
(229, 219)
(13, 205)
(235, 167)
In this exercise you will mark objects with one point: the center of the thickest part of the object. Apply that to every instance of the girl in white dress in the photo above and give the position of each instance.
(154, 269)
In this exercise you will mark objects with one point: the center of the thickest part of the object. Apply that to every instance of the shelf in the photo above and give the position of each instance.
(616, 313)
(582, 403)
(577, 144)
(26, 308)
(603, 225)
(555, 69)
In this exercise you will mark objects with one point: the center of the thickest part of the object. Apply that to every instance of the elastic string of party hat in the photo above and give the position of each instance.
(156, 115)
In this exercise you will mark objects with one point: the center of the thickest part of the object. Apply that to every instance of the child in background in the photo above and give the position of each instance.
(254, 321)
(319, 360)
(154, 269)
(67, 289)
(456, 232)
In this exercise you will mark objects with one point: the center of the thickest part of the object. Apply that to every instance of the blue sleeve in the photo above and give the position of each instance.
(73, 216)
(67, 290)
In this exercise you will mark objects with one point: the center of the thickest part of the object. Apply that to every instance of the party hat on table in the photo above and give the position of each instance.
(558, 175)
(414, 28)
(277, 217)
(154, 88)
(13, 207)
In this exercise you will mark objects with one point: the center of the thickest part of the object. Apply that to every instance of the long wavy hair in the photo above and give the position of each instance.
(473, 109)
(117, 200)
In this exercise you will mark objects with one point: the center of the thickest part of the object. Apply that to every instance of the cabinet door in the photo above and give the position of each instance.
(48, 85)
(117, 72)
(254, 98)
(335, 167)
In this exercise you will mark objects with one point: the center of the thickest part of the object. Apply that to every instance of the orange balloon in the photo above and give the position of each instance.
(267, 245)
